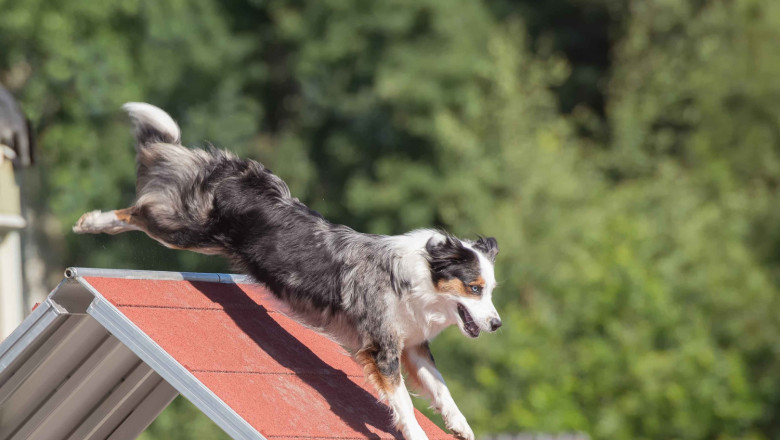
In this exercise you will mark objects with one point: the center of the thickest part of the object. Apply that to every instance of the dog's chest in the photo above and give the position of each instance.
(417, 325)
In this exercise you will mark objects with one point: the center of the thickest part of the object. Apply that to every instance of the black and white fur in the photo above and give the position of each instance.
(382, 297)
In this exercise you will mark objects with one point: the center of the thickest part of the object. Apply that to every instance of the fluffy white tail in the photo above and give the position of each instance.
(151, 124)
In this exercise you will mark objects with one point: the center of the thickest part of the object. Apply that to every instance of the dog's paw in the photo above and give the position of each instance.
(88, 223)
(412, 431)
(415, 434)
(459, 427)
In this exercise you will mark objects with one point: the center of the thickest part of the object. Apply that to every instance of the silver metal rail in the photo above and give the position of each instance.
(130, 274)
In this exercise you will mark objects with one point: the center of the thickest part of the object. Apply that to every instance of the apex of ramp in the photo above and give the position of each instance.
(129, 274)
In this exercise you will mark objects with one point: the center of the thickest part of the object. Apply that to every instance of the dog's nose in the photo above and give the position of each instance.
(495, 323)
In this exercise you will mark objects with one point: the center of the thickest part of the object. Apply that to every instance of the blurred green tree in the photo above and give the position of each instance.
(626, 159)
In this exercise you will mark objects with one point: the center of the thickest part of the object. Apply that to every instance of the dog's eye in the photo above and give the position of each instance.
(476, 289)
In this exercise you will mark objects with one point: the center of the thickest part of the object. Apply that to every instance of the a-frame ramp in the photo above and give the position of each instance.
(109, 349)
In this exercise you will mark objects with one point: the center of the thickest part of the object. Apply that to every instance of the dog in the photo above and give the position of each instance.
(382, 297)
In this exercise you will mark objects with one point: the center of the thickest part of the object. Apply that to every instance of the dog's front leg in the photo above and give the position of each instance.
(421, 369)
(382, 367)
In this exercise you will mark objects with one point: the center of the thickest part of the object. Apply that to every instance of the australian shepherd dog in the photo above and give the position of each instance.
(382, 297)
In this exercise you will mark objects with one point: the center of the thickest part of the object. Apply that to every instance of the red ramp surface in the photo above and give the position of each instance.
(285, 380)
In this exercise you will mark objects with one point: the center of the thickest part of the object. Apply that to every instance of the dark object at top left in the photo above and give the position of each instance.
(15, 131)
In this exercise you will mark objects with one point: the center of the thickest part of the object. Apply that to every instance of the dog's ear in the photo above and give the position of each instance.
(488, 246)
(445, 248)
(444, 252)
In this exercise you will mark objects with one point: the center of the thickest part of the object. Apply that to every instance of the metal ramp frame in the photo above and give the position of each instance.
(78, 369)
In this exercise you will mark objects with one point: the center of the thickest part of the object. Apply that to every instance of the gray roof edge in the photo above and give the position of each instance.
(131, 274)
(31, 328)
(155, 356)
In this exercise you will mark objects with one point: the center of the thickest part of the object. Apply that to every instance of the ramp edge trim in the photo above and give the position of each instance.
(131, 274)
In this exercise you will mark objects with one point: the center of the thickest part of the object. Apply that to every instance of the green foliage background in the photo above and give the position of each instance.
(625, 153)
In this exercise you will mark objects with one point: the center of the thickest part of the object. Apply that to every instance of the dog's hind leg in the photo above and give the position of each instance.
(108, 222)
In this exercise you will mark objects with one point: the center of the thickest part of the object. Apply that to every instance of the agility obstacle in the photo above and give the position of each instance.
(108, 350)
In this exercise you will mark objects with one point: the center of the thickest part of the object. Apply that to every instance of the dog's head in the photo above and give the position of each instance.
(463, 272)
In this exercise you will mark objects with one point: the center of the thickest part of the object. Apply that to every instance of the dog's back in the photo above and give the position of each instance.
(185, 196)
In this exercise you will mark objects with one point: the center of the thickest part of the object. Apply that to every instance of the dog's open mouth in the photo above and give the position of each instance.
(471, 327)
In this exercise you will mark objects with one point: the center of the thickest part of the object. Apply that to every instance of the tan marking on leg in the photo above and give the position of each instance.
(132, 216)
(124, 215)
(384, 384)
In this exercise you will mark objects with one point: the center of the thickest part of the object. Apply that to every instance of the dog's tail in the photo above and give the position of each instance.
(152, 125)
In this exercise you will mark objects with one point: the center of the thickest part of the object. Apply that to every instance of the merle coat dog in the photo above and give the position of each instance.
(382, 297)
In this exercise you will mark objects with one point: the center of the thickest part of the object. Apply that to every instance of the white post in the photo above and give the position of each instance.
(11, 288)
(11, 307)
